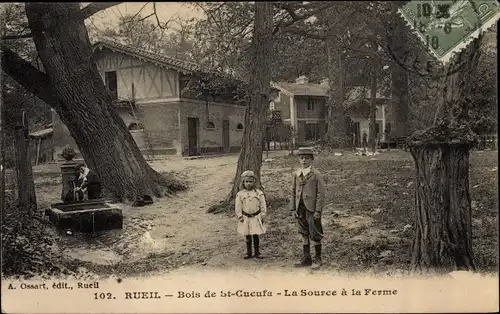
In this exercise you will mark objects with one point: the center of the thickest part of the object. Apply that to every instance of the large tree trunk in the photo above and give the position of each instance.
(335, 136)
(399, 102)
(373, 110)
(24, 173)
(399, 79)
(81, 100)
(2, 133)
(443, 235)
(2, 150)
(256, 113)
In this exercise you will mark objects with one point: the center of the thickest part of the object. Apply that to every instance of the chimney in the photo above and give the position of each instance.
(325, 82)
(302, 80)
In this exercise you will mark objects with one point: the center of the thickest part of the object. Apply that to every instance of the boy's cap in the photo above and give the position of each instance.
(305, 151)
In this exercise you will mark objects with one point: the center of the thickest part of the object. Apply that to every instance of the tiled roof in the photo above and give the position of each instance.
(142, 54)
(183, 66)
(308, 89)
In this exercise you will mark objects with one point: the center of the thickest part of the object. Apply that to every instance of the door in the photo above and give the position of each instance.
(225, 136)
(192, 136)
(357, 135)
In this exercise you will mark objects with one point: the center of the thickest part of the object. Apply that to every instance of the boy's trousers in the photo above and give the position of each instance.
(308, 225)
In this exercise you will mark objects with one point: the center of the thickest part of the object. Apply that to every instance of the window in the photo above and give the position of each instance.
(210, 125)
(311, 132)
(239, 126)
(111, 83)
(272, 106)
(311, 104)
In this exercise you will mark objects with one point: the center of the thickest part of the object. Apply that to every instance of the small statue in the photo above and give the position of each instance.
(68, 153)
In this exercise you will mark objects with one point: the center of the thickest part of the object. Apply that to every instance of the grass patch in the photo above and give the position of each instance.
(382, 188)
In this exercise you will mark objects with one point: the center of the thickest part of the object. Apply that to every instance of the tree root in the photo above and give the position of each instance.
(154, 184)
(171, 182)
(227, 205)
(224, 206)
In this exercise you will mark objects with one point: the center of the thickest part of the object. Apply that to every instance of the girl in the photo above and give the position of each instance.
(251, 209)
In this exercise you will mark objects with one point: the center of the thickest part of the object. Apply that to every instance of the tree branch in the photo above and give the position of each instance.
(95, 7)
(87, 12)
(16, 37)
(305, 33)
(28, 76)
(297, 18)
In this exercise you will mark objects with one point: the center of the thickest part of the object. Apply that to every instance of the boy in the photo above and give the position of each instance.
(307, 199)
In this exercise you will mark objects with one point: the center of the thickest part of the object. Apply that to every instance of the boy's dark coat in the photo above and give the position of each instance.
(312, 189)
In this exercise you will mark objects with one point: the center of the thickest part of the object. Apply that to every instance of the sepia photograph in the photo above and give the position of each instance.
(249, 157)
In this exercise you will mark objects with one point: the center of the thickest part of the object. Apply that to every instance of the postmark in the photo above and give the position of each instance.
(447, 27)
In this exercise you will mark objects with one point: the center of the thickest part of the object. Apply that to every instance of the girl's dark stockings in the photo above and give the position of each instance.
(256, 243)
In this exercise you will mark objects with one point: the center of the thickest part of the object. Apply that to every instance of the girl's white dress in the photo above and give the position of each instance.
(251, 202)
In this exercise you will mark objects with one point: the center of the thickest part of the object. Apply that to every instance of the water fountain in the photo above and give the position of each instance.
(82, 216)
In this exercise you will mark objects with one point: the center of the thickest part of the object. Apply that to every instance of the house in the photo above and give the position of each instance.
(149, 92)
(304, 106)
(358, 101)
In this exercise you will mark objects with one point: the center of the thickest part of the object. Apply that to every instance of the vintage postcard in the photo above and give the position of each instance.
(249, 157)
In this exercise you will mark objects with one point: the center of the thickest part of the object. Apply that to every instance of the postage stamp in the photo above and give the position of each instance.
(447, 27)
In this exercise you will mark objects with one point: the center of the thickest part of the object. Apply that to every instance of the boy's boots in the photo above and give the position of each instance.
(256, 246)
(316, 263)
(306, 259)
(249, 247)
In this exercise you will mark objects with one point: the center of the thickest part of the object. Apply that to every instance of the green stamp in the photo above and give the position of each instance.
(447, 27)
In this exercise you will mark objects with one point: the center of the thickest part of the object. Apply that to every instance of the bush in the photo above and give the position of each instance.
(28, 247)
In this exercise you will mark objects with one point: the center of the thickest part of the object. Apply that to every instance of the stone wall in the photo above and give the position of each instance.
(160, 121)
(210, 140)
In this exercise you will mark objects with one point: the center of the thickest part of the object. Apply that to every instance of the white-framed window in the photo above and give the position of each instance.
(311, 104)
(272, 106)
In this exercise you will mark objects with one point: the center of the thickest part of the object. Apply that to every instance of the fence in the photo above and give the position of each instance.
(489, 141)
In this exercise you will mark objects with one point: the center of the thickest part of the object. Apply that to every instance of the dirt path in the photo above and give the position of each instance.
(178, 228)
(189, 230)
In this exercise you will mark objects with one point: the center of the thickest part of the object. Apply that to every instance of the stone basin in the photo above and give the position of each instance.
(86, 216)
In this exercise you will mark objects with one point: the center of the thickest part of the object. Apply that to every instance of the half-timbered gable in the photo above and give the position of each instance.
(169, 105)
(139, 74)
